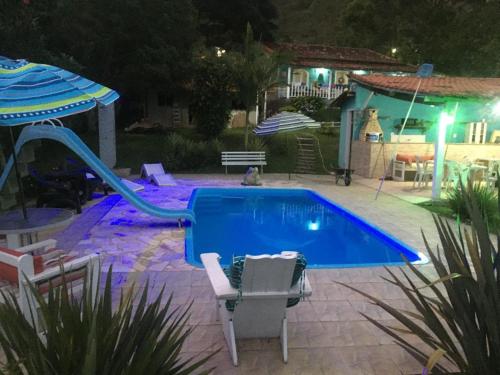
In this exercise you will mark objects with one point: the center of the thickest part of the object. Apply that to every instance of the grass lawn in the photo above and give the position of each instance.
(135, 149)
(443, 209)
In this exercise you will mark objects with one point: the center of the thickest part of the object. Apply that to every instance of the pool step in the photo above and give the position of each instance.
(208, 205)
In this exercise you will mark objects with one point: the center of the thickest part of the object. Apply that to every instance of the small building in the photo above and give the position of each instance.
(379, 104)
(323, 71)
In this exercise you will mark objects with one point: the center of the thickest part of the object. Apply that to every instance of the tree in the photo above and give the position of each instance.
(458, 37)
(129, 45)
(223, 22)
(256, 72)
(212, 93)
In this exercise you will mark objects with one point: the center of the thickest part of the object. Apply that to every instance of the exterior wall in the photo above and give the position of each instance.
(391, 111)
(372, 159)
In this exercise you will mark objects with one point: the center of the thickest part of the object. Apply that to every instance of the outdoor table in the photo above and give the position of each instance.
(19, 231)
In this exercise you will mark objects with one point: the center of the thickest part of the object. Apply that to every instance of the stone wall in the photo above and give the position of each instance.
(371, 159)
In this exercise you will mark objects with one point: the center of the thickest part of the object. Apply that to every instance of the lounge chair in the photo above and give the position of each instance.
(40, 264)
(91, 181)
(59, 191)
(155, 174)
(260, 302)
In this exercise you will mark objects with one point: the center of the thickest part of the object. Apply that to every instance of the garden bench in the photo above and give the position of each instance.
(250, 158)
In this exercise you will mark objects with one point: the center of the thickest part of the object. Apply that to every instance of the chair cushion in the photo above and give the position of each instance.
(235, 271)
(408, 159)
(426, 157)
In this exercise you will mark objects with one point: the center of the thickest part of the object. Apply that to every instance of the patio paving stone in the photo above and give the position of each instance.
(327, 334)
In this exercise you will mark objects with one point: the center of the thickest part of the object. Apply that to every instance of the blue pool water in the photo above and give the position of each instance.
(239, 221)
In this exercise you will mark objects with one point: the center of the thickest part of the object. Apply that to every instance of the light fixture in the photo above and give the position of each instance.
(496, 108)
(313, 225)
(394, 50)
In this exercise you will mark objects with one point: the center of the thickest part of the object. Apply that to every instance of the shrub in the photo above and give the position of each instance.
(182, 154)
(486, 199)
(88, 336)
(212, 95)
(308, 105)
(459, 321)
(256, 144)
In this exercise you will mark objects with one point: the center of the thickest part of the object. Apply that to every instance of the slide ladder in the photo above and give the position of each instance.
(72, 141)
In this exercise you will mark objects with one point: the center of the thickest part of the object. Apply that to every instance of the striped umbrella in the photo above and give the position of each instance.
(31, 92)
(285, 122)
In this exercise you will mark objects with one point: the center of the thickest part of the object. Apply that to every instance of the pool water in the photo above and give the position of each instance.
(240, 221)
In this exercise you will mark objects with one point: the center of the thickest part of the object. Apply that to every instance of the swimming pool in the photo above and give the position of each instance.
(239, 221)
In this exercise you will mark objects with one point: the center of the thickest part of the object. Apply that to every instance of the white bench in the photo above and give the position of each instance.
(250, 158)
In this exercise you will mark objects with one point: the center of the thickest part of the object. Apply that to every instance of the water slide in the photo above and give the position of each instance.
(72, 141)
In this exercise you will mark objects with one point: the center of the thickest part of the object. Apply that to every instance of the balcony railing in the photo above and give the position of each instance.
(321, 92)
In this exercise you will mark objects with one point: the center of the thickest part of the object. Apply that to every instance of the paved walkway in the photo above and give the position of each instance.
(327, 335)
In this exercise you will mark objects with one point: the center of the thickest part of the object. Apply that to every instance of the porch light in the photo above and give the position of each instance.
(446, 119)
(394, 51)
(496, 109)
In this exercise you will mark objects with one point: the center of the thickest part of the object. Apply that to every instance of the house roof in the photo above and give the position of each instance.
(435, 86)
(317, 55)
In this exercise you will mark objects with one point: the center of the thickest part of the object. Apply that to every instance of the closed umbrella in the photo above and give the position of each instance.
(31, 92)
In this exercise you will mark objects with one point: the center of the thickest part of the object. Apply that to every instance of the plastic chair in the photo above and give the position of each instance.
(422, 175)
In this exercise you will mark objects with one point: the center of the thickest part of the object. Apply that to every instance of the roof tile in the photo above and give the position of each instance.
(439, 86)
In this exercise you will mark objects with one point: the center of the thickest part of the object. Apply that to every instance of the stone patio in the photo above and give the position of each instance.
(327, 335)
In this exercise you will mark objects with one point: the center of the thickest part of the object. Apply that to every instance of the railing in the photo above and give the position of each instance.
(320, 92)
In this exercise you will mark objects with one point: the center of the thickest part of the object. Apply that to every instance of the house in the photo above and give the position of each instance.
(379, 104)
(323, 71)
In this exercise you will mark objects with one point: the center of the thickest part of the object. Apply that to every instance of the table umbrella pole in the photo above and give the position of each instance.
(18, 176)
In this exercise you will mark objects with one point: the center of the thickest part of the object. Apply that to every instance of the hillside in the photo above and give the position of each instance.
(310, 21)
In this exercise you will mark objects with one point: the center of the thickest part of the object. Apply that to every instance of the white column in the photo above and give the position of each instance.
(257, 111)
(265, 105)
(107, 135)
(445, 119)
(289, 82)
(330, 84)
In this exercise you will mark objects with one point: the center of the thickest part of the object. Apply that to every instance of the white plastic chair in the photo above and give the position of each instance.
(260, 311)
(422, 175)
(490, 176)
(452, 176)
(75, 270)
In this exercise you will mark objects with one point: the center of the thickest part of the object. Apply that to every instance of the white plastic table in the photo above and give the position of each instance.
(20, 232)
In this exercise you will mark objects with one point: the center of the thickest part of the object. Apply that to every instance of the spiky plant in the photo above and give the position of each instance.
(461, 320)
(87, 336)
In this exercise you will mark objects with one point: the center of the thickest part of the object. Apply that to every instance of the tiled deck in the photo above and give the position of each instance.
(327, 335)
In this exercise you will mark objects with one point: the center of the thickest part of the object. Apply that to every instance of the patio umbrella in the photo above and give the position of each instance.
(285, 122)
(31, 92)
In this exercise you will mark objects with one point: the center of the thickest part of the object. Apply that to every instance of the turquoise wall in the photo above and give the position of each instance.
(314, 74)
(391, 111)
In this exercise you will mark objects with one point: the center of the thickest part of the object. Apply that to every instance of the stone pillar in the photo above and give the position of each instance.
(107, 135)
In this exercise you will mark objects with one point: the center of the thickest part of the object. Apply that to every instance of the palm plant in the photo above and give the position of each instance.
(458, 315)
(257, 72)
(87, 336)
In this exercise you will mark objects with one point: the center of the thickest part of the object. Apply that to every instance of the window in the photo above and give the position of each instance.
(476, 132)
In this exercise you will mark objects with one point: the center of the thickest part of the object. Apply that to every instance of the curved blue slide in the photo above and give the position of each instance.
(72, 141)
